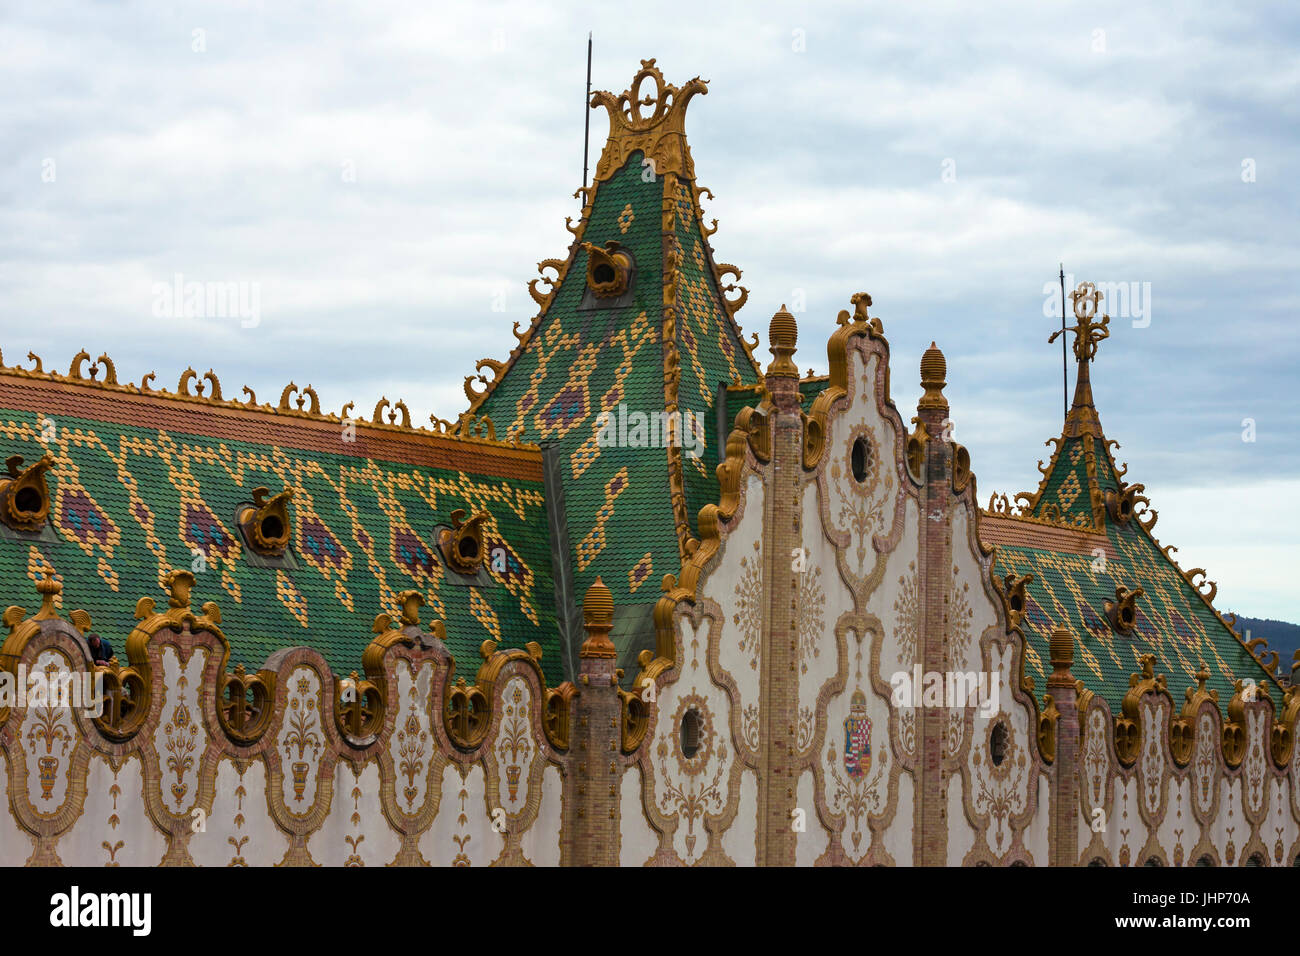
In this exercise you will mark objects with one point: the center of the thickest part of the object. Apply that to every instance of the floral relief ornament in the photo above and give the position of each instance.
(302, 735)
(181, 733)
(50, 732)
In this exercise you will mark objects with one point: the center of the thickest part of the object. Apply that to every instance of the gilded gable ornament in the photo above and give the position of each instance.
(660, 134)
(1087, 333)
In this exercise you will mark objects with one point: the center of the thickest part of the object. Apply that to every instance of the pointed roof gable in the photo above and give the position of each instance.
(1086, 538)
(604, 358)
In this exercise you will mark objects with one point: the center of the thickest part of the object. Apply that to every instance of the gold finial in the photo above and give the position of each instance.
(1082, 418)
(934, 368)
(410, 603)
(178, 585)
(1087, 333)
(48, 588)
(783, 336)
(598, 617)
(1061, 654)
(659, 135)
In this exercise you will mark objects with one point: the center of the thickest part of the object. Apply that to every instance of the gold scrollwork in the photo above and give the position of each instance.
(110, 370)
(1128, 732)
(1015, 600)
(660, 136)
(358, 709)
(304, 395)
(190, 376)
(244, 704)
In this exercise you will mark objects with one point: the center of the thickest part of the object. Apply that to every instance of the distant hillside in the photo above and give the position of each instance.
(1281, 636)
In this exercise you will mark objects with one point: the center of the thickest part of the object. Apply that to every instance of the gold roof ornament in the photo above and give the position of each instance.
(1082, 418)
(598, 619)
(934, 371)
(660, 135)
(783, 338)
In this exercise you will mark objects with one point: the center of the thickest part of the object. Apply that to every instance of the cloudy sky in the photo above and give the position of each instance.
(384, 175)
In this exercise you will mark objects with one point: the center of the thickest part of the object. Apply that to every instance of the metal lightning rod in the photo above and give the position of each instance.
(1065, 387)
(586, 120)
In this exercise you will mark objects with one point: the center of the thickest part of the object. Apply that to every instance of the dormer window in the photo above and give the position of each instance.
(610, 274)
(265, 524)
(24, 495)
(462, 544)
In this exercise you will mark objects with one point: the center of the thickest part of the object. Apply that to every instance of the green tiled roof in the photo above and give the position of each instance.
(580, 362)
(1072, 584)
(132, 502)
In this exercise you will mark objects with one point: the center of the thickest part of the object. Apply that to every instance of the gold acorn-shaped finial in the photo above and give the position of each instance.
(783, 337)
(598, 617)
(934, 369)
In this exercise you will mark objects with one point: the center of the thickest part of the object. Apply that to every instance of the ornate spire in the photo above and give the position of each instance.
(1082, 418)
(660, 135)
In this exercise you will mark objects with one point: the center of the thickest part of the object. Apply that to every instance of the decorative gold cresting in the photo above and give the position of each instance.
(1082, 419)
(608, 270)
(1128, 728)
(266, 523)
(24, 495)
(462, 543)
(660, 135)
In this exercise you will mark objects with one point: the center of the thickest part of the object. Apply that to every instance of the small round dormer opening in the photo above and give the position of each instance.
(1017, 603)
(860, 459)
(28, 501)
(1126, 615)
(271, 527)
(467, 548)
(604, 273)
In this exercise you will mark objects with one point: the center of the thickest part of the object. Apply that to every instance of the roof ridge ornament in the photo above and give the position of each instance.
(660, 135)
(1082, 418)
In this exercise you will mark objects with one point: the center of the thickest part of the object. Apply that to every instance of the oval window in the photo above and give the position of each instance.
(860, 459)
(690, 733)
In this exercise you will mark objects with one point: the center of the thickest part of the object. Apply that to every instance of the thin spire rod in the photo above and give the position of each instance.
(586, 109)
(1065, 387)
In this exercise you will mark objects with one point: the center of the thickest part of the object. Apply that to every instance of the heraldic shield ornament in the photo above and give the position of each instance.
(857, 737)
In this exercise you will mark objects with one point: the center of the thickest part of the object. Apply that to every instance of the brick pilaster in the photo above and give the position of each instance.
(1063, 822)
(779, 674)
(596, 735)
(934, 573)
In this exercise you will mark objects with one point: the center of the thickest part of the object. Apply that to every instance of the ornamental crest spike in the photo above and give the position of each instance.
(1087, 333)
(660, 134)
